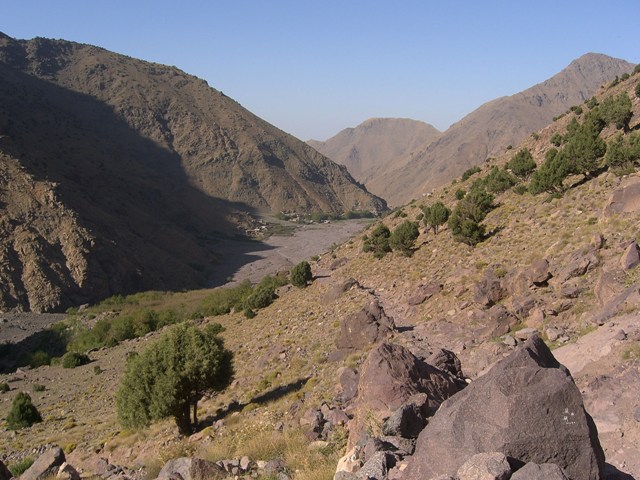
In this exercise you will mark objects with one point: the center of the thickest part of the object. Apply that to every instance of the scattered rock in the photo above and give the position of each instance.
(610, 284)
(631, 257)
(538, 273)
(408, 420)
(485, 466)
(509, 341)
(625, 199)
(424, 293)
(340, 262)
(364, 328)
(552, 333)
(376, 467)
(545, 471)
(390, 375)
(446, 361)
(47, 465)
(535, 318)
(526, 406)
(597, 241)
(186, 468)
(489, 289)
(621, 335)
(338, 289)
(348, 378)
(579, 263)
(350, 463)
(67, 472)
(525, 333)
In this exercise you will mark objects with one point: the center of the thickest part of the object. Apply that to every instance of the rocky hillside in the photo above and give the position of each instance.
(517, 358)
(376, 145)
(487, 131)
(120, 175)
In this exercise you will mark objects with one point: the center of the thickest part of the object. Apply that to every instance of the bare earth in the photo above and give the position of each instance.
(254, 260)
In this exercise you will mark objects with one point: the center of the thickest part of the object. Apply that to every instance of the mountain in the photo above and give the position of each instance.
(121, 175)
(376, 145)
(488, 130)
(310, 381)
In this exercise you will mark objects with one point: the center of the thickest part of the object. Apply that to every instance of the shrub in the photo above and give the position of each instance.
(617, 110)
(436, 215)
(460, 193)
(39, 358)
(623, 153)
(301, 274)
(23, 413)
(549, 176)
(261, 297)
(638, 90)
(584, 147)
(37, 387)
(4, 387)
(170, 377)
(496, 181)
(248, 313)
(624, 76)
(636, 69)
(522, 163)
(404, 237)
(469, 172)
(74, 359)
(378, 242)
(556, 139)
(520, 189)
(591, 103)
(21, 466)
(465, 219)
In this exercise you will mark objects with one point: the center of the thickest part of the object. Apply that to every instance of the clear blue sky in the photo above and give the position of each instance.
(313, 68)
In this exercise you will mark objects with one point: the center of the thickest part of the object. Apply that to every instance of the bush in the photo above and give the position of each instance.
(261, 297)
(636, 69)
(74, 359)
(248, 313)
(436, 215)
(638, 90)
(522, 163)
(21, 466)
(584, 148)
(39, 358)
(623, 153)
(460, 193)
(378, 242)
(404, 237)
(556, 139)
(301, 274)
(38, 387)
(465, 219)
(170, 377)
(469, 172)
(617, 110)
(591, 103)
(496, 181)
(624, 76)
(4, 387)
(549, 176)
(23, 413)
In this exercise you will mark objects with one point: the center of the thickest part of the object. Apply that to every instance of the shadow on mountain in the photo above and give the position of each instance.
(151, 227)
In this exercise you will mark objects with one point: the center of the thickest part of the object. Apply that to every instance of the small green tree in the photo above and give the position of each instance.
(301, 274)
(522, 163)
(170, 377)
(617, 110)
(549, 176)
(74, 359)
(623, 153)
(465, 219)
(436, 215)
(470, 171)
(404, 237)
(378, 242)
(638, 90)
(23, 413)
(556, 139)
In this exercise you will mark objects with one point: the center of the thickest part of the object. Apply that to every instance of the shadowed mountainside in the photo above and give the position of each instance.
(120, 175)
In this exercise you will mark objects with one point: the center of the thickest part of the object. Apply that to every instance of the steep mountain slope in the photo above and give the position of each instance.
(487, 131)
(583, 301)
(129, 173)
(376, 145)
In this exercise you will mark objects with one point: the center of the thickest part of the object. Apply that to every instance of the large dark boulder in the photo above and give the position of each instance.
(363, 328)
(389, 377)
(187, 468)
(5, 474)
(533, 471)
(527, 406)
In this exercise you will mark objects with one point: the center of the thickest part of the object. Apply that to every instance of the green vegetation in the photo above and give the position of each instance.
(460, 193)
(23, 413)
(556, 139)
(496, 181)
(21, 466)
(549, 176)
(617, 110)
(38, 387)
(404, 237)
(170, 377)
(637, 91)
(4, 387)
(623, 153)
(522, 163)
(74, 359)
(465, 219)
(467, 174)
(378, 242)
(591, 103)
(301, 274)
(437, 215)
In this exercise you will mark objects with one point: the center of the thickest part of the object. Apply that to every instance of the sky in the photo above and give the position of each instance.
(313, 68)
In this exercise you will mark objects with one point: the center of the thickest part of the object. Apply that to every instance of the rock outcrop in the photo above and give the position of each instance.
(527, 407)
(364, 328)
(47, 465)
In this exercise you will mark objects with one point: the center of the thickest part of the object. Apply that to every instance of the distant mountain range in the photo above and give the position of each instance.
(120, 175)
(485, 132)
(376, 145)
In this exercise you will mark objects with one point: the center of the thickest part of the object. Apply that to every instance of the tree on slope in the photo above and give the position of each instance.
(172, 375)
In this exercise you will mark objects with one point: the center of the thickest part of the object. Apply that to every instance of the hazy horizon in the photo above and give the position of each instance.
(315, 69)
